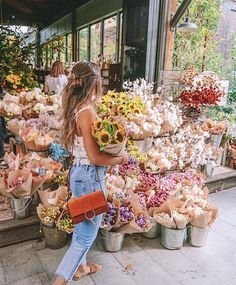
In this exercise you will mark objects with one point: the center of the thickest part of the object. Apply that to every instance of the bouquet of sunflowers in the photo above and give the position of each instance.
(110, 136)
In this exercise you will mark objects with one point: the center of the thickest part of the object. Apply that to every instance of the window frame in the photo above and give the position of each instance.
(119, 35)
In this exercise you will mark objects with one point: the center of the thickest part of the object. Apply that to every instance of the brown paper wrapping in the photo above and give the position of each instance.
(132, 228)
(15, 126)
(36, 183)
(115, 149)
(12, 160)
(3, 113)
(39, 210)
(3, 189)
(51, 198)
(30, 145)
(8, 98)
(168, 207)
(207, 218)
(23, 190)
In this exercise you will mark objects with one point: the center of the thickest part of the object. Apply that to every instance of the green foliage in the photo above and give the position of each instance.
(201, 48)
(16, 56)
(232, 89)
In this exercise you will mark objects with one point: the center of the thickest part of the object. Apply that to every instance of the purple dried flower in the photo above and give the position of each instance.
(126, 213)
(109, 218)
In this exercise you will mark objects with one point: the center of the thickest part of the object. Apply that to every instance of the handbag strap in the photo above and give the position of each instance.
(68, 181)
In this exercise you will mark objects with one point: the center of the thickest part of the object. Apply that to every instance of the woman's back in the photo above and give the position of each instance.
(56, 84)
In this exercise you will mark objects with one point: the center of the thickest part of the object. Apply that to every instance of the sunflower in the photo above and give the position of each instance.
(113, 95)
(123, 96)
(104, 138)
(98, 125)
(119, 136)
(136, 111)
(120, 108)
(132, 106)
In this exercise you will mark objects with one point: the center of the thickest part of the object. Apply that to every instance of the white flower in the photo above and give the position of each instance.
(12, 108)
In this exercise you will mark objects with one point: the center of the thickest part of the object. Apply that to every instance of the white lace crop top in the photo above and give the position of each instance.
(78, 151)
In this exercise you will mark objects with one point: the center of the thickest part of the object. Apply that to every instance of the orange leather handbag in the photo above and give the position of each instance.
(87, 207)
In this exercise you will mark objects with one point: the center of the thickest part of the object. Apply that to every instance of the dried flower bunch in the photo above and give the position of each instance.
(204, 89)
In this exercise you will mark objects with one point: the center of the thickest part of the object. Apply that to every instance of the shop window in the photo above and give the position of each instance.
(109, 38)
(120, 36)
(83, 44)
(69, 48)
(62, 49)
(44, 57)
(95, 41)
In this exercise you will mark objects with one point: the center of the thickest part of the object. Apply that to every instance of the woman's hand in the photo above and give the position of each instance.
(124, 159)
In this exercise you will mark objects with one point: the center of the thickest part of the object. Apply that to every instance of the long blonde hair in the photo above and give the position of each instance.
(57, 69)
(85, 82)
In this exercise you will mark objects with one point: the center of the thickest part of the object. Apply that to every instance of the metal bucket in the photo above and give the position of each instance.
(54, 238)
(197, 236)
(216, 139)
(112, 241)
(154, 231)
(21, 208)
(172, 238)
(208, 169)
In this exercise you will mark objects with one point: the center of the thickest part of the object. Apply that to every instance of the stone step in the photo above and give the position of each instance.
(15, 231)
(223, 178)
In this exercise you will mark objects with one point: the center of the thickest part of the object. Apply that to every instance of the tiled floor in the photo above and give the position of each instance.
(32, 264)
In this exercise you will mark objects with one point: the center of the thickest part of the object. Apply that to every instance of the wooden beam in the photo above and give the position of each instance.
(170, 36)
(18, 5)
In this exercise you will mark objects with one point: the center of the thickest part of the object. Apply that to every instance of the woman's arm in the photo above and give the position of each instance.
(84, 125)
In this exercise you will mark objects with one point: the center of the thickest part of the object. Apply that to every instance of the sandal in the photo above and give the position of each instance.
(93, 268)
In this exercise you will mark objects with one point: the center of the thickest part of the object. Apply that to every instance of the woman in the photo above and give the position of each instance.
(89, 169)
(3, 136)
(56, 81)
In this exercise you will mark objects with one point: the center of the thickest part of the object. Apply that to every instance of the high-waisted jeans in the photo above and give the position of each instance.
(83, 180)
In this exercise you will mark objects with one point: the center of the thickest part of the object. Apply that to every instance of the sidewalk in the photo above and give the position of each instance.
(147, 262)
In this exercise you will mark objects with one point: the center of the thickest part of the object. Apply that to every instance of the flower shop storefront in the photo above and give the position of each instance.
(175, 146)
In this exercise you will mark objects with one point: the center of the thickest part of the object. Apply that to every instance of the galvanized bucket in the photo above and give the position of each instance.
(216, 139)
(112, 241)
(197, 236)
(54, 238)
(208, 169)
(154, 231)
(21, 208)
(172, 238)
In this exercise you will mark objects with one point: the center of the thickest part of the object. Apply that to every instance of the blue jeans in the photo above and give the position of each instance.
(83, 180)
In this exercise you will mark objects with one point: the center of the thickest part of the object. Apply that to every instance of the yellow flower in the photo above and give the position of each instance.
(119, 136)
(103, 137)
(120, 108)
(136, 111)
(123, 96)
(98, 125)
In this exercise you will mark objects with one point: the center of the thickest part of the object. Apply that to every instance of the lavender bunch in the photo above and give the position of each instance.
(142, 221)
(126, 213)
(109, 218)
